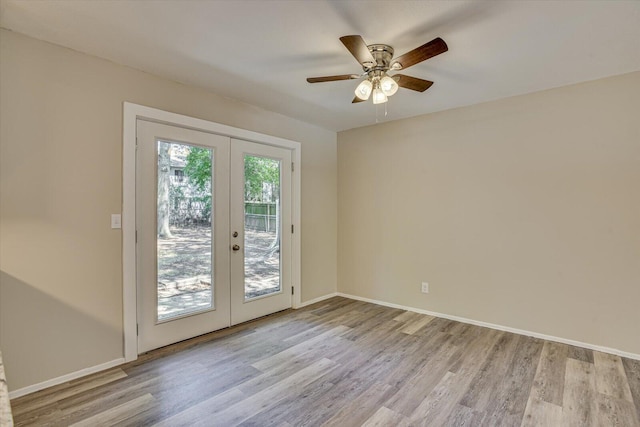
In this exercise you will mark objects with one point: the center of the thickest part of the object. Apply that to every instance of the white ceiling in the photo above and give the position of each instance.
(261, 52)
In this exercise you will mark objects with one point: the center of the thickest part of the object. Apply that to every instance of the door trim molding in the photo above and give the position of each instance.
(133, 112)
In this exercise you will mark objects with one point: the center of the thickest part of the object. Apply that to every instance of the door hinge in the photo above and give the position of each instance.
(136, 236)
(137, 330)
(292, 167)
(292, 290)
(291, 228)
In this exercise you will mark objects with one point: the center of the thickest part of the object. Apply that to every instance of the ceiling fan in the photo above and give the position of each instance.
(377, 61)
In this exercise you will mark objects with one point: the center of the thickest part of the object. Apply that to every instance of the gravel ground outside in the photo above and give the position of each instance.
(184, 269)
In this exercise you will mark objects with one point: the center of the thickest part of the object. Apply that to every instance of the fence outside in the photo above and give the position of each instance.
(260, 216)
(191, 211)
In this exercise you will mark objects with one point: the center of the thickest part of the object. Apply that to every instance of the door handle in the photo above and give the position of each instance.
(235, 247)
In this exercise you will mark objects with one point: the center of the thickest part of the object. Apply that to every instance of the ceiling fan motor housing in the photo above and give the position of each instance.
(383, 54)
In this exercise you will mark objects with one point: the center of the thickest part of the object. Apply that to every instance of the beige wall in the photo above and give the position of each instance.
(61, 178)
(523, 212)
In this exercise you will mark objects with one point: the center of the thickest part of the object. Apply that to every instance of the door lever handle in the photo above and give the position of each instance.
(235, 247)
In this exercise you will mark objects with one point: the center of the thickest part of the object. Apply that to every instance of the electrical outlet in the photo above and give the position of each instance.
(425, 288)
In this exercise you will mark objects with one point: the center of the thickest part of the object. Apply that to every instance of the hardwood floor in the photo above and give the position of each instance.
(349, 363)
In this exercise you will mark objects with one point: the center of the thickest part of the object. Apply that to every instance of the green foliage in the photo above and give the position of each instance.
(258, 170)
(198, 168)
(198, 172)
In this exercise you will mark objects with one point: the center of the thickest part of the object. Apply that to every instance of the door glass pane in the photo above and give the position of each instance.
(184, 230)
(261, 226)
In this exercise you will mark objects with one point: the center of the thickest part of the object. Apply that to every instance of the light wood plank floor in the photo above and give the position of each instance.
(349, 363)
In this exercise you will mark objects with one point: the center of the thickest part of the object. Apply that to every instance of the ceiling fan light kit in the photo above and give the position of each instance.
(379, 97)
(363, 91)
(376, 61)
(382, 87)
(388, 85)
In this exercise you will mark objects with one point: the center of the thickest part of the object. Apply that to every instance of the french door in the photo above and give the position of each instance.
(213, 232)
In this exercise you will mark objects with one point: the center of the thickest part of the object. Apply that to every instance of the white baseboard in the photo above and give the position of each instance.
(315, 300)
(498, 327)
(64, 378)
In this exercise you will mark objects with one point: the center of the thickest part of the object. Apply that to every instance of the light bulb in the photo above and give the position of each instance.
(378, 96)
(363, 91)
(388, 85)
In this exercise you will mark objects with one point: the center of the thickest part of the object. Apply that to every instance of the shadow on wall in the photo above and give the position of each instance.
(42, 338)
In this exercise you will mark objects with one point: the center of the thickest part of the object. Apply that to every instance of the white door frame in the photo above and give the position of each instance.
(133, 112)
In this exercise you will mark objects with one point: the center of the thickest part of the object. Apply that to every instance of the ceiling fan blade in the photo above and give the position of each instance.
(332, 78)
(359, 49)
(356, 100)
(419, 54)
(412, 83)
